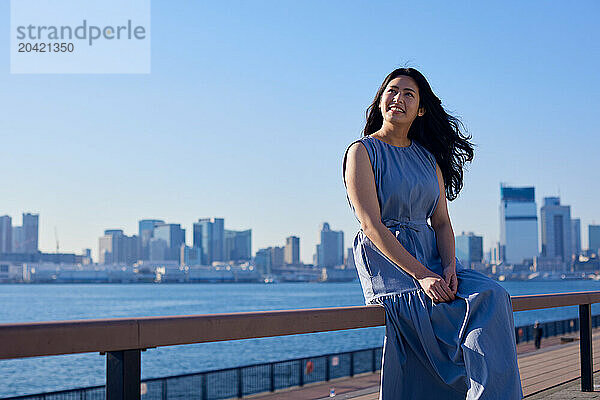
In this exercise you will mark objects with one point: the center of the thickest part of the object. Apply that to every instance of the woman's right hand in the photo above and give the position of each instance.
(436, 288)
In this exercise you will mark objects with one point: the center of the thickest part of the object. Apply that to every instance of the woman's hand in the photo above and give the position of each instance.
(436, 288)
(450, 278)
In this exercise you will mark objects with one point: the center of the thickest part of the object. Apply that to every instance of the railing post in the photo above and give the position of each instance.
(373, 360)
(240, 383)
(585, 347)
(272, 376)
(123, 372)
(204, 387)
(301, 374)
(352, 363)
(164, 394)
(327, 368)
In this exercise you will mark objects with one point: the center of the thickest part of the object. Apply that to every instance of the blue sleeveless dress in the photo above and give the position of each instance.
(456, 350)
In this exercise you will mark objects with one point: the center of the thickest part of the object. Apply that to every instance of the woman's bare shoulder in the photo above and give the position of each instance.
(356, 158)
(358, 147)
(357, 153)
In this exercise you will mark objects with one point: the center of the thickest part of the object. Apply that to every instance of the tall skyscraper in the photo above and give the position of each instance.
(86, 256)
(131, 249)
(330, 252)
(594, 238)
(157, 249)
(6, 234)
(30, 228)
(518, 224)
(556, 229)
(18, 239)
(262, 260)
(349, 262)
(576, 236)
(145, 233)
(218, 243)
(237, 245)
(174, 237)
(276, 256)
(117, 248)
(209, 235)
(292, 250)
(105, 249)
(469, 248)
(191, 256)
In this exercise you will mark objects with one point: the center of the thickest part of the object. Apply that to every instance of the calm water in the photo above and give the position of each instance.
(23, 303)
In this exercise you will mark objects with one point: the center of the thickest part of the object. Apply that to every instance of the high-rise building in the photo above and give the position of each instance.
(292, 250)
(131, 249)
(330, 252)
(25, 237)
(157, 249)
(191, 256)
(556, 229)
(18, 239)
(349, 262)
(495, 254)
(576, 236)
(86, 256)
(594, 238)
(117, 248)
(469, 248)
(105, 249)
(209, 235)
(30, 228)
(237, 245)
(6, 234)
(276, 256)
(145, 233)
(262, 261)
(518, 224)
(174, 237)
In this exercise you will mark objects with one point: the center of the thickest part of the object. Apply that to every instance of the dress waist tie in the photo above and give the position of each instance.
(414, 224)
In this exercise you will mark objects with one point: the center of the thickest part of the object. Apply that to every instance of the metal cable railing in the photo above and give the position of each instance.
(239, 381)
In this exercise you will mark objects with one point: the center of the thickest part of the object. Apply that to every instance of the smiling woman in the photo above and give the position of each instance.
(449, 330)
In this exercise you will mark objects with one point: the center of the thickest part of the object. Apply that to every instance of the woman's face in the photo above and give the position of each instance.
(399, 103)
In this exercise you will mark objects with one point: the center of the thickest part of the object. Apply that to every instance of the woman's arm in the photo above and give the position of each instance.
(360, 185)
(440, 221)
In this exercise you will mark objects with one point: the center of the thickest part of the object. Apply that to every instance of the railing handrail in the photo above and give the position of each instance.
(541, 301)
(32, 339)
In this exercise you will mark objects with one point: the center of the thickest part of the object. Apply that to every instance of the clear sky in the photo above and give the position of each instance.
(251, 104)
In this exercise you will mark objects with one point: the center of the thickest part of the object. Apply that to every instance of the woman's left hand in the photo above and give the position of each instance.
(449, 275)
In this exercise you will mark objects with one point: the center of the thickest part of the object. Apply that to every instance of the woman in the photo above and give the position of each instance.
(449, 330)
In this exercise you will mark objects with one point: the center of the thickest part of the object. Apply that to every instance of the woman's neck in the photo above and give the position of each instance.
(393, 134)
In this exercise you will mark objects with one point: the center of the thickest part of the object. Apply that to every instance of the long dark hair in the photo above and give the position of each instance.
(439, 132)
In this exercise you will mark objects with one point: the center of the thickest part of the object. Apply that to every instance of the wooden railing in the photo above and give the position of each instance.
(123, 339)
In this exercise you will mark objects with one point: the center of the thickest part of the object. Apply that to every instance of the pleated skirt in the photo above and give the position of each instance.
(464, 349)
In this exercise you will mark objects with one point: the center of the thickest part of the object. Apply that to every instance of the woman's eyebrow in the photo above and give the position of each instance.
(407, 88)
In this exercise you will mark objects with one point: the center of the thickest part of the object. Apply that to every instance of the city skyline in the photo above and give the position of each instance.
(526, 233)
(253, 126)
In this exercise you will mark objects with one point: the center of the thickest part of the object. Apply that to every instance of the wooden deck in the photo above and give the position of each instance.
(547, 369)
(553, 366)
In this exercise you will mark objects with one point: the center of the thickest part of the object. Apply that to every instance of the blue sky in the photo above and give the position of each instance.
(250, 105)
